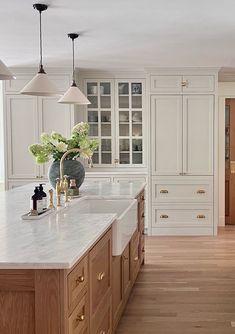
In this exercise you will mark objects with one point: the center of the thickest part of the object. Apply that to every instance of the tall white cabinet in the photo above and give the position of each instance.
(25, 118)
(183, 119)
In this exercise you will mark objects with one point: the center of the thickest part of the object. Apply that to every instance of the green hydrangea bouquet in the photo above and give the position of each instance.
(54, 145)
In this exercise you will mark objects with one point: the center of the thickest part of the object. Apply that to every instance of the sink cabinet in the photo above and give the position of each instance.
(89, 298)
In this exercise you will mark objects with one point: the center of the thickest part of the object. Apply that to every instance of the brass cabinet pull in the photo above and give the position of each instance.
(125, 257)
(201, 216)
(164, 216)
(163, 191)
(80, 318)
(136, 258)
(184, 83)
(201, 191)
(80, 279)
(101, 276)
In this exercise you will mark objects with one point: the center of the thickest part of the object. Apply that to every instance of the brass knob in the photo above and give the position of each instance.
(163, 191)
(80, 279)
(136, 258)
(125, 257)
(101, 276)
(80, 318)
(201, 216)
(201, 191)
(164, 216)
(184, 83)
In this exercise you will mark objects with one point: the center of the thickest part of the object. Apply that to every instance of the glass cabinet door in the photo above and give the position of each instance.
(100, 119)
(130, 122)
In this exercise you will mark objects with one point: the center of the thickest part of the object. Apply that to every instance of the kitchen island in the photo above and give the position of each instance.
(56, 273)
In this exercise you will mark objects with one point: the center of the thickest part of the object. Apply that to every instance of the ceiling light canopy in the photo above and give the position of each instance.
(74, 94)
(5, 73)
(40, 85)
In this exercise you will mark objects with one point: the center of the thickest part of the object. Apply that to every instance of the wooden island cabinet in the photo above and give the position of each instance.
(89, 298)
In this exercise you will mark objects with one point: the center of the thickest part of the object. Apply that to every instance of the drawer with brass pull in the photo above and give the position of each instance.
(78, 320)
(182, 189)
(77, 281)
(175, 215)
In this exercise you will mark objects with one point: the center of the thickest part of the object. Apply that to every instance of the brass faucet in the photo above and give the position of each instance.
(62, 182)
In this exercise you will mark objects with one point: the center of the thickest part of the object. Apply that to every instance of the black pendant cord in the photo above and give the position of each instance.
(74, 83)
(41, 69)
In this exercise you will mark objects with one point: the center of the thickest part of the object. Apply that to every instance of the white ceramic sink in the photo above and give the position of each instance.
(124, 226)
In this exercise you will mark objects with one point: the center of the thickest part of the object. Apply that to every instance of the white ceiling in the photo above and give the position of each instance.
(122, 33)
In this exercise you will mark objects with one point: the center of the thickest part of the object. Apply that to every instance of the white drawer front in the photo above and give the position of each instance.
(182, 190)
(173, 216)
(129, 179)
(166, 83)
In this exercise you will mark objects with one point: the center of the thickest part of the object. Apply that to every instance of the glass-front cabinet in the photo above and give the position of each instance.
(115, 116)
(100, 119)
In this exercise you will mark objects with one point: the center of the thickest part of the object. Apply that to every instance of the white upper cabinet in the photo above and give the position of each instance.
(198, 124)
(166, 83)
(166, 134)
(21, 131)
(169, 84)
(198, 83)
(116, 119)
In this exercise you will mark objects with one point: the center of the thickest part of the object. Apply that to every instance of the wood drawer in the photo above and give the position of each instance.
(100, 271)
(77, 281)
(182, 189)
(79, 319)
(182, 215)
(134, 255)
(105, 326)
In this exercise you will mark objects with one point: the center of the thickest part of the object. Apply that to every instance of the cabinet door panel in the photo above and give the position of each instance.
(198, 122)
(166, 83)
(54, 117)
(22, 119)
(166, 123)
(198, 83)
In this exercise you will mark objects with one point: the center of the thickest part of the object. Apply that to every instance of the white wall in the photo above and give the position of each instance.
(1, 137)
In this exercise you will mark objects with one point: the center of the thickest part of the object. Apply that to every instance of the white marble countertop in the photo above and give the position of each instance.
(60, 239)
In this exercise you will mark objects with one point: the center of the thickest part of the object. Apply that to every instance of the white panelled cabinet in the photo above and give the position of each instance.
(117, 117)
(26, 117)
(182, 134)
(183, 127)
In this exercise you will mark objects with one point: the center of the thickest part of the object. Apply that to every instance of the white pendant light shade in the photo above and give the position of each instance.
(5, 73)
(40, 85)
(74, 96)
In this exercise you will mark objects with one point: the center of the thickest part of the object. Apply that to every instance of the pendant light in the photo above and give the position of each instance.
(5, 73)
(40, 85)
(73, 94)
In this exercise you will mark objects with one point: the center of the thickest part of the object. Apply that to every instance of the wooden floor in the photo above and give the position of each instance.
(187, 286)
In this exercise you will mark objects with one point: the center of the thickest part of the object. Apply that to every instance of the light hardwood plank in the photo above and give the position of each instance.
(187, 285)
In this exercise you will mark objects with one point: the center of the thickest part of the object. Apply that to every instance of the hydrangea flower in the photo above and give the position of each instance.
(54, 145)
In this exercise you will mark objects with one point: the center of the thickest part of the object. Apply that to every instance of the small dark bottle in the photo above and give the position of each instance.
(44, 196)
(36, 206)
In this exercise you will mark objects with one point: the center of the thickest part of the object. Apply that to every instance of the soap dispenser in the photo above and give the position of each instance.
(44, 195)
(36, 204)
